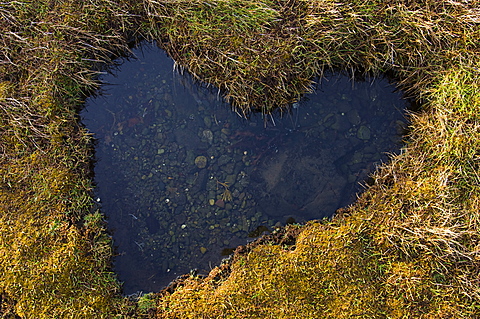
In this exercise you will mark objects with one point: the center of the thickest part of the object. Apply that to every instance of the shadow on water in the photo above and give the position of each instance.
(182, 178)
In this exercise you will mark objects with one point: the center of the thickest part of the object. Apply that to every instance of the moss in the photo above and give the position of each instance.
(407, 248)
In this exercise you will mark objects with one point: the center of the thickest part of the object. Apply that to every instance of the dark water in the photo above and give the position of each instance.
(183, 178)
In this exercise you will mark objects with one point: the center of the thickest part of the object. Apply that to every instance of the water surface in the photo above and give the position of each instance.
(182, 178)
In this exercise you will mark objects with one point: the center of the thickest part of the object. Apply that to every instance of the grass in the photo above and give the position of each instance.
(54, 252)
(407, 248)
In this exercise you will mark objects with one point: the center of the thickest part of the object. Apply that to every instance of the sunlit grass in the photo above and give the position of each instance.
(52, 263)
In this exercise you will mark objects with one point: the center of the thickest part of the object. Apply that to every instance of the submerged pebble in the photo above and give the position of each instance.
(363, 133)
(201, 161)
(208, 136)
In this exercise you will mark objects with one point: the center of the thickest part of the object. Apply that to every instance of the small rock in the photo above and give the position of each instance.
(208, 136)
(224, 159)
(354, 117)
(363, 133)
(203, 250)
(226, 131)
(230, 180)
(220, 203)
(208, 121)
(201, 161)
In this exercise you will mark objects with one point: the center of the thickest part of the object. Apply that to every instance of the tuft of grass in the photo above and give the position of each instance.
(256, 63)
(269, 60)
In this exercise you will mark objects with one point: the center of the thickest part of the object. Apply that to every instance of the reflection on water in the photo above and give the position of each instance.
(182, 177)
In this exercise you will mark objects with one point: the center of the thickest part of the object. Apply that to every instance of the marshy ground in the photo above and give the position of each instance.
(407, 248)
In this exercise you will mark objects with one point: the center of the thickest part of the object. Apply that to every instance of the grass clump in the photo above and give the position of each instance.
(271, 58)
(321, 276)
(256, 63)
